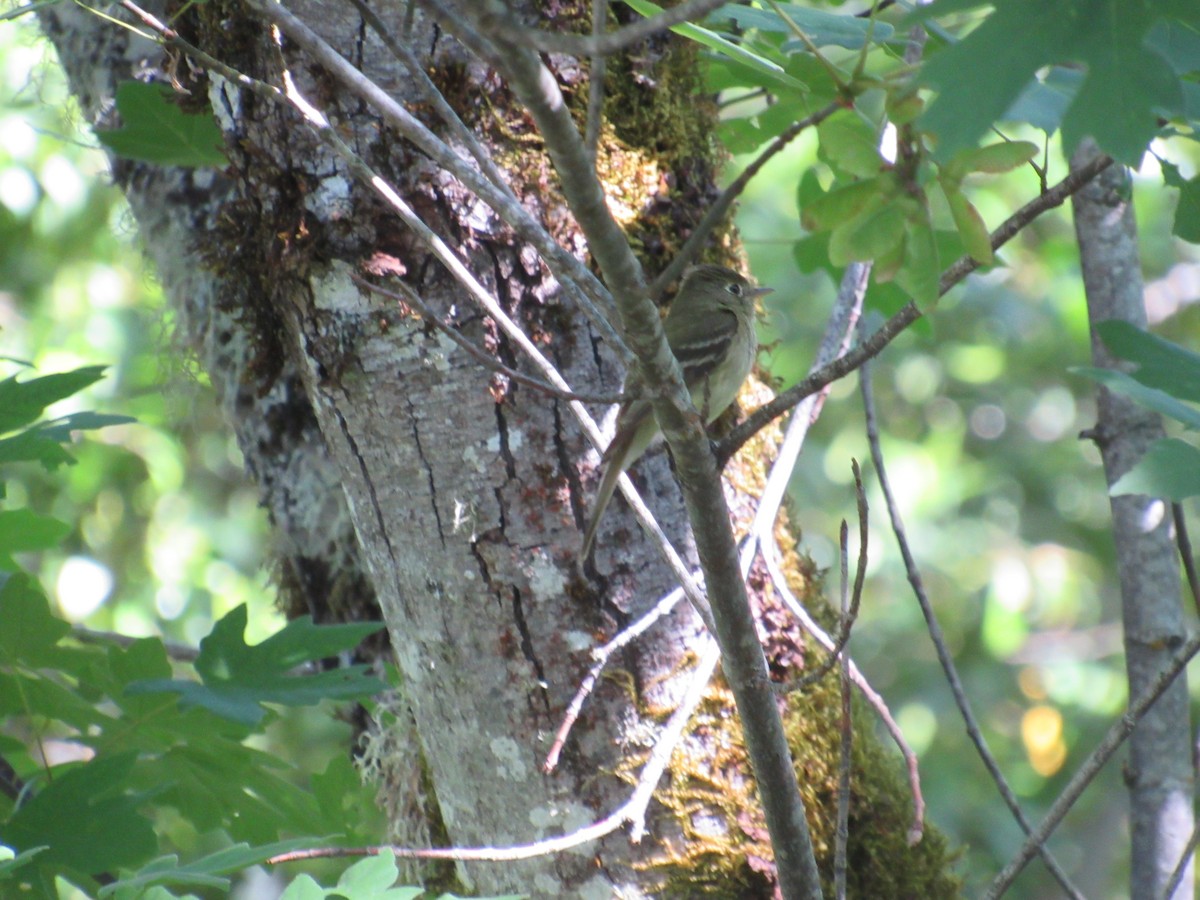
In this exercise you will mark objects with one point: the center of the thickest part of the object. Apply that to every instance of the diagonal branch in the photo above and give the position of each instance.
(875, 344)
(742, 655)
(1116, 736)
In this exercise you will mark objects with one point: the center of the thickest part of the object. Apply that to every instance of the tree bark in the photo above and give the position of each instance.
(403, 476)
(1159, 773)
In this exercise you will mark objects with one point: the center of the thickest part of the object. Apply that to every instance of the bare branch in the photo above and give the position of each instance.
(599, 66)
(434, 96)
(1185, 861)
(875, 344)
(1117, 733)
(594, 299)
(939, 640)
(846, 622)
(411, 298)
(842, 834)
(602, 655)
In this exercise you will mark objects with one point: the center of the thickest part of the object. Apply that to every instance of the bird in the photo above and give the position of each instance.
(710, 329)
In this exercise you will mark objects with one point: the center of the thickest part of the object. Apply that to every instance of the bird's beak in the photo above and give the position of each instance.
(757, 292)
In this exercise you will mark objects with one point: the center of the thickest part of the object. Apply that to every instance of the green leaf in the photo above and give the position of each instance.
(238, 679)
(33, 445)
(995, 159)
(1161, 364)
(371, 876)
(1169, 469)
(1178, 43)
(868, 235)
(157, 131)
(820, 27)
(1187, 209)
(208, 871)
(1159, 401)
(841, 204)
(970, 225)
(22, 531)
(10, 865)
(303, 887)
(29, 634)
(105, 830)
(920, 272)
(346, 804)
(713, 41)
(1126, 88)
(1044, 101)
(851, 144)
(22, 402)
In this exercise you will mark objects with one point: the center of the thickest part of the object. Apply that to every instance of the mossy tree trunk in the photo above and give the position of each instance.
(405, 478)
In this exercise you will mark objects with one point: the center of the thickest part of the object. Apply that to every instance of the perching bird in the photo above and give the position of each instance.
(710, 329)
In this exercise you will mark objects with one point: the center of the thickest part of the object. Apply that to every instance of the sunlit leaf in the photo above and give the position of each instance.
(713, 41)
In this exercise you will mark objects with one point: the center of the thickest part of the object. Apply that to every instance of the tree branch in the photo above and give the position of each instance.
(875, 344)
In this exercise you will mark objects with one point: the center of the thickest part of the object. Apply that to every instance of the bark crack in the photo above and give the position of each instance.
(530, 654)
(416, 435)
(352, 444)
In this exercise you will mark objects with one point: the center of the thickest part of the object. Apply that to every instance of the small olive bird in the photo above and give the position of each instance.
(710, 329)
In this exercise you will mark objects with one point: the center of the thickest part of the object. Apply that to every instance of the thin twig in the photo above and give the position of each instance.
(631, 812)
(1186, 557)
(842, 835)
(1117, 733)
(411, 298)
(770, 555)
(717, 212)
(1181, 868)
(939, 640)
(602, 655)
(846, 622)
(599, 66)
(875, 344)
(434, 96)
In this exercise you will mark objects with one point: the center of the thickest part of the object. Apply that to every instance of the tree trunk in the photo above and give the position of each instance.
(405, 477)
(1159, 772)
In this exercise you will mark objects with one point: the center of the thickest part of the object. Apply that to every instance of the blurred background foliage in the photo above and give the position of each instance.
(1006, 507)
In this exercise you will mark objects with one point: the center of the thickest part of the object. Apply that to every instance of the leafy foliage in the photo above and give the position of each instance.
(158, 131)
(1018, 64)
(143, 742)
(1166, 379)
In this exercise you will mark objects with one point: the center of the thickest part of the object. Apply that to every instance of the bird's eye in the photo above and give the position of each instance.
(734, 288)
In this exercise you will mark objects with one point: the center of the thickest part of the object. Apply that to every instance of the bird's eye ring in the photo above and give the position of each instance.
(734, 288)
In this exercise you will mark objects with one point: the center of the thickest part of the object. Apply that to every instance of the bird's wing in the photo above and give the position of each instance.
(700, 345)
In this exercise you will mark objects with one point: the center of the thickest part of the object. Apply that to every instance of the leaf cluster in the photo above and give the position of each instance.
(105, 743)
(905, 140)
